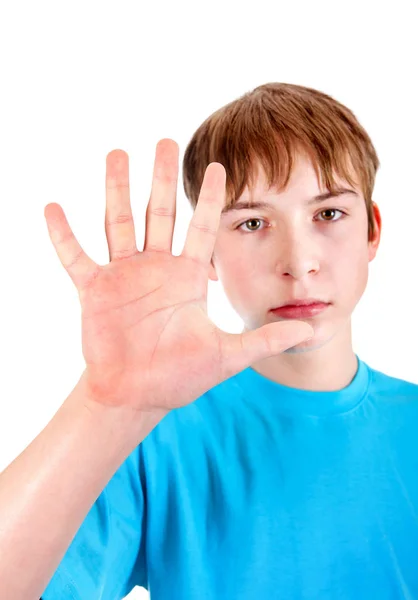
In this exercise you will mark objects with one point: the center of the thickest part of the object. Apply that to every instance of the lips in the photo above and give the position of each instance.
(301, 311)
(303, 302)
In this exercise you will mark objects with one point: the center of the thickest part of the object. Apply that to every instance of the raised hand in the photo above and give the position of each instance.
(147, 340)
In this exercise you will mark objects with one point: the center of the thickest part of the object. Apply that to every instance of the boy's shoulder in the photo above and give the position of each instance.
(392, 384)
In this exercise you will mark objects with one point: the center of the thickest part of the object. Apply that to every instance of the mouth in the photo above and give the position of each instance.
(300, 311)
(302, 302)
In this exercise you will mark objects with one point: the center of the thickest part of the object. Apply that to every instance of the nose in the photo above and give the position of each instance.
(298, 258)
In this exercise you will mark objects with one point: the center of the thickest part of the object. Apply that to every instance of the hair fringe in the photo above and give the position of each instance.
(270, 126)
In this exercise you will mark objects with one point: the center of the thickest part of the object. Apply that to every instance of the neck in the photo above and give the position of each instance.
(323, 364)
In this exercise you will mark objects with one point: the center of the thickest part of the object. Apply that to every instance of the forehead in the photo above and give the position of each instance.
(303, 188)
(303, 181)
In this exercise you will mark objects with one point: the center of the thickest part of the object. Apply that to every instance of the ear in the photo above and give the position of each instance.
(212, 271)
(374, 242)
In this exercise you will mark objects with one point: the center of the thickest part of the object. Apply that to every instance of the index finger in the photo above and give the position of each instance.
(203, 228)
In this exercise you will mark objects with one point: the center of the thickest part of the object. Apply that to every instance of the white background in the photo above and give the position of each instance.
(80, 79)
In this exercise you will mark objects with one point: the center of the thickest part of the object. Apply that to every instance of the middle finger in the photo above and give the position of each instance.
(161, 209)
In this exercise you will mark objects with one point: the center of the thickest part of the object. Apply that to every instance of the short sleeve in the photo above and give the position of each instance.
(106, 558)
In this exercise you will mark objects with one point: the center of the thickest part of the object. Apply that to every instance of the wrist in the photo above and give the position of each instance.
(130, 422)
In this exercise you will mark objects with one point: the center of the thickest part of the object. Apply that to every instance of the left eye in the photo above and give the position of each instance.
(328, 210)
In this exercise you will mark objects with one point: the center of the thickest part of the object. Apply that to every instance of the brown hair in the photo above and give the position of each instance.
(271, 124)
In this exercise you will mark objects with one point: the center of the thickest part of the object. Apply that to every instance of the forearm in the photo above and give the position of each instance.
(47, 491)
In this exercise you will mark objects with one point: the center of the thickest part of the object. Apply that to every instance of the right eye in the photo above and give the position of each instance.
(250, 221)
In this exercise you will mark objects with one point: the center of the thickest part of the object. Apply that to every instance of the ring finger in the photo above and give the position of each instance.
(119, 224)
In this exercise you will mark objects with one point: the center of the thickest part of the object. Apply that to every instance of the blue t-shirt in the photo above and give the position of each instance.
(261, 491)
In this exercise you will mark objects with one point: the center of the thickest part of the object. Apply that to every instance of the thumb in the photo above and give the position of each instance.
(244, 349)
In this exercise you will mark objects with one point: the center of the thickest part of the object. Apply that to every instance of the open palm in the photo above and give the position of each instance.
(147, 340)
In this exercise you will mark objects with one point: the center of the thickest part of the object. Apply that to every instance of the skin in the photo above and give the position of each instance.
(299, 251)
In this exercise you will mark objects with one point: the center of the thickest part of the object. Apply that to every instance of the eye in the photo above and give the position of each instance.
(327, 210)
(249, 221)
(332, 210)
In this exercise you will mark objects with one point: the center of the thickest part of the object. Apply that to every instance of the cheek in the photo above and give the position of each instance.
(238, 262)
(351, 270)
(242, 279)
(244, 272)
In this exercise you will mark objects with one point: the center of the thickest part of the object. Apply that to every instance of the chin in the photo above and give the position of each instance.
(309, 345)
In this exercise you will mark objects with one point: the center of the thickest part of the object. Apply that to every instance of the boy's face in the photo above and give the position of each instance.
(296, 250)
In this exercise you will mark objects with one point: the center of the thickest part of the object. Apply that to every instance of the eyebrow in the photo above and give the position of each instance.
(315, 200)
